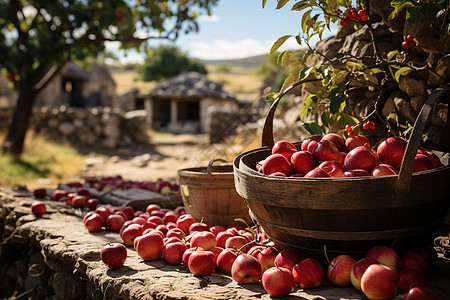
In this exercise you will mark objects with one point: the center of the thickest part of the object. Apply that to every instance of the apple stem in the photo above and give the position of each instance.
(326, 255)
(245, 245)
(393, 243)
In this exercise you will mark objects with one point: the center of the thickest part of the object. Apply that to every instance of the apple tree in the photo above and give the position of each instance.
(334, 84)
(38, 37)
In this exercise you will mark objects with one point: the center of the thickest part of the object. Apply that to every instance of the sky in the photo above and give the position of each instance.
(236, 29)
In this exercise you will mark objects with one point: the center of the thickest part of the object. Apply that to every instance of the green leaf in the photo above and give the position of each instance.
(301, 5)
(271, 96)
(335, 103)
(306, 19)
(398, 8)
(376, 70)
(412, 14)
(402, 71)
(313, 128)
(307, 106)
(391, 54)
(327, 118)
(298, 39)
(281, 3)
(346, 119)
(280, 58)
(304, 73)
(354, 65)
(279, 43)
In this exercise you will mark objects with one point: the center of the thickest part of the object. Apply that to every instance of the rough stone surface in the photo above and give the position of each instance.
(72, 253)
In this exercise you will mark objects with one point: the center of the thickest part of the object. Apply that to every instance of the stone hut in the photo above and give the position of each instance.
(78, 88)
(181, 104)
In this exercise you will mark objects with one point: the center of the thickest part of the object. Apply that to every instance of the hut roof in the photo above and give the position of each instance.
(189, 85)
(73, 71)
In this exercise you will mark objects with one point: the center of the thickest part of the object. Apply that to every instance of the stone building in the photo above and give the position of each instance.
(180, 104)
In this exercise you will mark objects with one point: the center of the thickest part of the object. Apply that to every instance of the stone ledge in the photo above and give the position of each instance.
(68, 248)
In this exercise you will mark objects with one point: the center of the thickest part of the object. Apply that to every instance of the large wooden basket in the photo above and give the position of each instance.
(347, 215)
(209, 194)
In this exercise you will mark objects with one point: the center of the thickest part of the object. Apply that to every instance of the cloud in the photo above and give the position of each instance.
(226, 49)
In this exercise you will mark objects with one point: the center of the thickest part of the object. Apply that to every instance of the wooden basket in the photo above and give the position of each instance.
(209, 194)
(347, 215)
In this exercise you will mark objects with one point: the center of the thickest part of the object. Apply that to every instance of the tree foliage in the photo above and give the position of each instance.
(168, 61)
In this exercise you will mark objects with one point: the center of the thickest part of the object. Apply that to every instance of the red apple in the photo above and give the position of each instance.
(173, 252)
(266, 257)
(79, 201)
(40, 193)
(431, 155)
(57, 194)
(170, 216)
(339, 270)
(358, 270)
(222, 237)
(409, 279)
(92, 203)
(139, 220)
(422, 163)
(278, 282)
(152, 207)
(202, 263)
(277, 174)
(385, 256)
(413, 261)
(157, 213)
(149, 246)
(255, 250)
(310, 143)
(114, 222)
(131, 232)
(326, 150)
(188, 253)
(84, 192)
(129, 211)
(216, 229)
(198, 226)
(216, 250)
(277, 163)
(176, 232)
(356, 173)
(180, 210)
(246, 269)
(284, 148)
(355, 141)
(38, 208)
(226, 259)
(336, 139)
(103, 210)
(172, 239)
(155, 219)
(420, 293)
(237, 242)
(333, 168)
(288, 258)
(184, 222)
(94, 222)
(303, 162)
(429, 254)
(163, 229)
(204, 239)
(383, 170)
(114, 255)
(308, 273)
(360, 158)
(317, 173)
(380, 282)
(391, 151)
(149, 224)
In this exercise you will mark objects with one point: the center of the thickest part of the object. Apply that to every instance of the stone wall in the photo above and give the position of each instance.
(94, 127)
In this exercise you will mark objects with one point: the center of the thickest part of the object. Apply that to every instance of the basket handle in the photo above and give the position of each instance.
(209, 168)
(407, 167)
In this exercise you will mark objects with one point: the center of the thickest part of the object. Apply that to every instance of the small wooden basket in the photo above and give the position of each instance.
(210, 194)
(347, 215)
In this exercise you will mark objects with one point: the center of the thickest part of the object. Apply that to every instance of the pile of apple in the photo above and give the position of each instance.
(177, 238)
(77, 198)
(332, 156)
(112, 183)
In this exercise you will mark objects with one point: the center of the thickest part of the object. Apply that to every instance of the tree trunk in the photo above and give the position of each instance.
(18, 126)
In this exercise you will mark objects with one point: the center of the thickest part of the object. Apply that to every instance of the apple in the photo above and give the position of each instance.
(103, 210)
(391, 151)
(131, 232)
(187, 253)
(339, 270)
(356, 173)
(278, 282)
(180, 210)
(94, 222)
(336, 139)
(431, 155)
(380, 282)
(303, 162)
(333, 168)
(246, 269)
(284, 148)
(204, 239)
(358, 270)
(277, 163)
(310, 143)
(288, 258)
(409, 279)
(92, 203)
(176, 232)
(170, 225)
(277, 174)
(422, 163)
(308, 273)
(163, 229)
(139, 220)
(237, 242)
(198, 226)
(317, 173)
(149, 224)
(420, 293)
(202, 263)
(360, 158)
(57, 194)
(216, 229)
(40, 193)
(38, 208)
(255, 250)
(157, 213)
(429, 254)
(84, 192)
(216, 250)
(222, 237)
(114, 222)
(355, 141)
(226, 259)
(383, 170)
(172, 239)
(114, 255)
(79, 201)
(155, 219)
(87, 215)
(125, 225)
(149, 246)
(266, 257)
(173, 252)
(385, 256)
(184, 222)
(326, 150)
(413, 261)
(170, 216)
(152, 207)
(129, 211)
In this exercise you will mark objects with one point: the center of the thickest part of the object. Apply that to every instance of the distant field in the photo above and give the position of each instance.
(238, 79)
